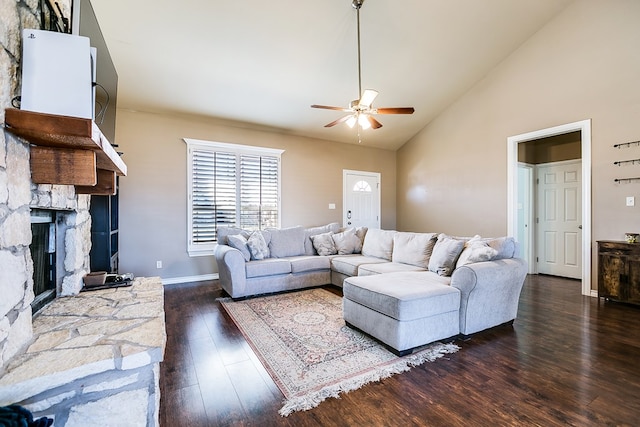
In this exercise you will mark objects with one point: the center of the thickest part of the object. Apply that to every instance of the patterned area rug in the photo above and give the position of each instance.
(304, 344)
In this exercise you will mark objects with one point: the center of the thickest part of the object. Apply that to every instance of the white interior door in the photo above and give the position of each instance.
(361, 199)
(560, 219)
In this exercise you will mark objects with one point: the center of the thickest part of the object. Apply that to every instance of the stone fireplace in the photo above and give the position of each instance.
(18, 198)
(89, 358)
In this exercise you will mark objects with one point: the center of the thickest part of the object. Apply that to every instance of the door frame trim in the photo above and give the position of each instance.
(378, 177)
(584, 126)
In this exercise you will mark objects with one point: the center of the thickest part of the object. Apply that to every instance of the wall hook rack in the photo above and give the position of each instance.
(624, 162)
(627, 144)
(626, 180)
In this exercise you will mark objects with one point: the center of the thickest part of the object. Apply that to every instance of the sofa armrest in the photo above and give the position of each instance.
(490, 292)
(232, 271)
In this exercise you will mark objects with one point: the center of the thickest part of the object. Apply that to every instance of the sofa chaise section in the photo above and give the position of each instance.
(409, 309)
(404, 309)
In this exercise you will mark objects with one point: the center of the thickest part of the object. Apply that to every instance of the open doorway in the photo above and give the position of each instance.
(549, 206)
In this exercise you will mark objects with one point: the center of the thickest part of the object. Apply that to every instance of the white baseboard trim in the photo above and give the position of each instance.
(187, 279)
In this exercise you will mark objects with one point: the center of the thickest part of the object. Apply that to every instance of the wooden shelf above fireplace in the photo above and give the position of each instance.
(64, 135)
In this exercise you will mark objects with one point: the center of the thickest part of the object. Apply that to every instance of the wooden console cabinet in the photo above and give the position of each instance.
(619, 271)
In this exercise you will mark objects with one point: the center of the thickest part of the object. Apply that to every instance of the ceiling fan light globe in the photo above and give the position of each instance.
(351, 121)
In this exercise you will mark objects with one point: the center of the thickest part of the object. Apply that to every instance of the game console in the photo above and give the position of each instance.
(58, 72)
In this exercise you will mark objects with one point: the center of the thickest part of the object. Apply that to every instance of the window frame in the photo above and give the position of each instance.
(206, 249)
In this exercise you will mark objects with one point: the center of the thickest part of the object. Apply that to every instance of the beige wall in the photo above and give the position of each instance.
(153, 209)
(585, 63)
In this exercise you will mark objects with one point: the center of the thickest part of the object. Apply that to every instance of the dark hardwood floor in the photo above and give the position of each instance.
(567, 360)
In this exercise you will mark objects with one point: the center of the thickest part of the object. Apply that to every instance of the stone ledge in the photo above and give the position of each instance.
(93, 332)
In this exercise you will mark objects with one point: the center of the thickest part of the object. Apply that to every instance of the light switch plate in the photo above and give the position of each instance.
(631, 201)
(332, 205)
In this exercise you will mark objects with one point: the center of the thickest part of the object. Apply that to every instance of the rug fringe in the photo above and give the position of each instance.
(311, 400)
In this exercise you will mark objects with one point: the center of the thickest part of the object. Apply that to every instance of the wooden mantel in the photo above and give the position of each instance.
(70, 150)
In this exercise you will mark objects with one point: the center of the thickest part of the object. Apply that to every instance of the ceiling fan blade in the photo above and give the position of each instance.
(367, 98)
(328, 107)
(395, 110)
(374, 123)
(337, 122)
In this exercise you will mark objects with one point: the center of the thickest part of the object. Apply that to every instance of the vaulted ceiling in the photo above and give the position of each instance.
(263, 63)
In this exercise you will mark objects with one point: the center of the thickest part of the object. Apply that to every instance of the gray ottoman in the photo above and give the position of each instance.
(404, 310)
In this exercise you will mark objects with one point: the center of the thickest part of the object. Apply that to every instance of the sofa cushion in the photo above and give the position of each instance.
(313, 231)
(267, 267)
(239, 242)
(224, 232)
(403, 296)
(386, 267)
(346, 242)
(348, 264)
(323, 244)
(300, 264)
(258, 246)
(445, 254)
(286, 242)
(476, 250)
(413, 248)
(378, 243)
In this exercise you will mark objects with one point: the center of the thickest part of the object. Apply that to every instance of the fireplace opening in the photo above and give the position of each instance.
(44, 245)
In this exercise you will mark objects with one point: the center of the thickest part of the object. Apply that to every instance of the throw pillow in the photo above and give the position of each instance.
(224, 232)
(313, 231)
(323, 243)
(286, 242)
(257, 246)
(413, 248)
(361, 232)
(239, 242)
(476, 250)
(445, 253)
(346, 242)
(505, 246)
(378, 243)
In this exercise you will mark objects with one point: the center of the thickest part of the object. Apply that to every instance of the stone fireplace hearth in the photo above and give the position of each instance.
(94, 360)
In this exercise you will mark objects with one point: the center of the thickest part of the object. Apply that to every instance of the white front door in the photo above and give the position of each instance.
(560, 219)
(361, 199)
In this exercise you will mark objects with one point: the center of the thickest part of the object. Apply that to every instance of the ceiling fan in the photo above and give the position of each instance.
(361, 110)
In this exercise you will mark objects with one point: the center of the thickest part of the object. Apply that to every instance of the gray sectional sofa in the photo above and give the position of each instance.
(405, 289)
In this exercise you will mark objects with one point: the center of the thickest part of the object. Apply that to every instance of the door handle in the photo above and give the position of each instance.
(580, 227)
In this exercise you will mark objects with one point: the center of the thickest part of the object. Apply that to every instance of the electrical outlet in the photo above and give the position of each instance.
(332, 205)
(158, 264)
(631, 201)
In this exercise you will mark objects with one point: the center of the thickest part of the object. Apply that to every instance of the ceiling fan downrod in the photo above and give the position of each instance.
(360, 110)
(357, 4)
